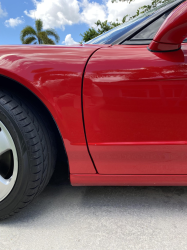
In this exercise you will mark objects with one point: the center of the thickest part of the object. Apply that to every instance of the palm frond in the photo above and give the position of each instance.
(52, 32)
(39, 25)
(27, 31)
(30, 35)
(45, 39)
(50, 41)
(29, 40)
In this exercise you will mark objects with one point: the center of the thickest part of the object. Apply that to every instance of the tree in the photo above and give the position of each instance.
(154, 2)
(89, 35)
(39, 36)
(148, 7)
(144, 8)
(129, 1)
(105, 26)
(102, 28)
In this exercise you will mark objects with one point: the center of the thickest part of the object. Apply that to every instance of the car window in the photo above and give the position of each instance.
(150, 31)
(112, 35)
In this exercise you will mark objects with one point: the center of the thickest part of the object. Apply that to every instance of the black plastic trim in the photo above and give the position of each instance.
(137, 42)
(164, 51)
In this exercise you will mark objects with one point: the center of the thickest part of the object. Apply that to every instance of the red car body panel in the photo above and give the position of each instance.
(54, 74)
(135, 110)
(128, 180)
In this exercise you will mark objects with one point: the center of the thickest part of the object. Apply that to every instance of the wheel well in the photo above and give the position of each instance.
(61, 173)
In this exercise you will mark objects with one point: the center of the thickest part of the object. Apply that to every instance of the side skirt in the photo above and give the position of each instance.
(127, 180)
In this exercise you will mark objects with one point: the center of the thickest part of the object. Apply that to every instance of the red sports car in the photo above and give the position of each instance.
(115, 108)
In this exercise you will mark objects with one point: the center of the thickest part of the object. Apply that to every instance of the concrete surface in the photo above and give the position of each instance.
(111, 218)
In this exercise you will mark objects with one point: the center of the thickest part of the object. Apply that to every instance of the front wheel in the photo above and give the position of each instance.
(27, 154)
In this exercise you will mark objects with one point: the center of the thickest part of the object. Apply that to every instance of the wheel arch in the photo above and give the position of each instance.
(19, 87)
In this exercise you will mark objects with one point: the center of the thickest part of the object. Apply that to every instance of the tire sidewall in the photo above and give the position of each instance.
(12, 200)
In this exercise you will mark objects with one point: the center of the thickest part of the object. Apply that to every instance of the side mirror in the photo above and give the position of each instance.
(172, 32)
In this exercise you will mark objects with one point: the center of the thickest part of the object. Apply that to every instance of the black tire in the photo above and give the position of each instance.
(36, 150)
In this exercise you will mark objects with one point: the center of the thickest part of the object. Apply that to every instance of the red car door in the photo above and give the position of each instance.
(135, 110)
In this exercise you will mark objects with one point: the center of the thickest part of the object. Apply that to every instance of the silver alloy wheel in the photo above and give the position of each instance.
(7, 144)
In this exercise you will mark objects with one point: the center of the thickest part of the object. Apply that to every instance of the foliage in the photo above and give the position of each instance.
(105, 26)
(39, 36)
(148, 7)
(102, 28)
(89, 35)
(129, 1)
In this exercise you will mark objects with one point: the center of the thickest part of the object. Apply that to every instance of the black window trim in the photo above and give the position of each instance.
(126, 39)
(142, 42)
(138, 42)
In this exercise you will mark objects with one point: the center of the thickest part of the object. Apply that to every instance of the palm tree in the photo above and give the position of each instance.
(38, 36)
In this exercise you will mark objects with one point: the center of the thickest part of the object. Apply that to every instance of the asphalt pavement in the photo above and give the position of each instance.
(98, 218)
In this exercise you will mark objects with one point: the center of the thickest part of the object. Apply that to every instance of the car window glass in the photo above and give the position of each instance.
(112, 35)
(150, 31)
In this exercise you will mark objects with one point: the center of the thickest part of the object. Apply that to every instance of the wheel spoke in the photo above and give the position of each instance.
(8, 166)
(5, 144)
(3, 185)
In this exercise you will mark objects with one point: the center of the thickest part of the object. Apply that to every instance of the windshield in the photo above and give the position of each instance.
(112, 35)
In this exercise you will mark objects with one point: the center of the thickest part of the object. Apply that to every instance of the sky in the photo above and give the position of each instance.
(70, 18)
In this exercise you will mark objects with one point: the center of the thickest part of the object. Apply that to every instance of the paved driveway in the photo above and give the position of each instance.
(111, 218)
